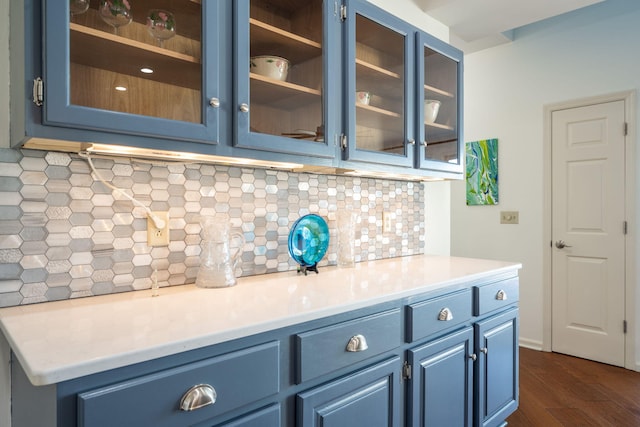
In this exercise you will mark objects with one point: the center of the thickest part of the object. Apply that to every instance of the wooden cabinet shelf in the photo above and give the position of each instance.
(375, 117)
(280, 94)
(377, 80)
(439, 126)
(269, 40)
(106, 51)
(434, 90)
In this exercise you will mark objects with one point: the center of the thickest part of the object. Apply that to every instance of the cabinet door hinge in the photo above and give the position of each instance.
(38, 91)
(625, 227)
(343, 141)
(626, 128)
(406, 371)
(343, 12)
(624, 326)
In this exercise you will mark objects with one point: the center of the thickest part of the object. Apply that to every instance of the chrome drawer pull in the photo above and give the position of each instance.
(357, 343)
(501, 295)
(445, 314)
(197, 397)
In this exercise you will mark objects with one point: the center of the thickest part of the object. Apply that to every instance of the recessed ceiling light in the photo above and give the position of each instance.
(121, 88)
(146, 70)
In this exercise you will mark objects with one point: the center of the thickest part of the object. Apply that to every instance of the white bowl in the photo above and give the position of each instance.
(363, 98)
(270, 66)
(431, 108)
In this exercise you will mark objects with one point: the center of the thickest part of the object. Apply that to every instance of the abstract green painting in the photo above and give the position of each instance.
(482, 172)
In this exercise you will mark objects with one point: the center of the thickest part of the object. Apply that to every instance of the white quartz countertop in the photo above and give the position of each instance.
(63, 340)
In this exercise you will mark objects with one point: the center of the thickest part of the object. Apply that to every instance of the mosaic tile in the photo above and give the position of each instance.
(58, 293)
(7, 286)
(10, 213)
(33, 192)
(60, 227)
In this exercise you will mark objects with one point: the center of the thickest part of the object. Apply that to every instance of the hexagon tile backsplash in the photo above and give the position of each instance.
(65, 235)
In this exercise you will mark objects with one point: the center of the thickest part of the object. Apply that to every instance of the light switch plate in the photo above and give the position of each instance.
(509, 217)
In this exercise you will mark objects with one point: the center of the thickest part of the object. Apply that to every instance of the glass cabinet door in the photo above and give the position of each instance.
(379, 92)
(134, 66)
(281, 85)
(440, 105)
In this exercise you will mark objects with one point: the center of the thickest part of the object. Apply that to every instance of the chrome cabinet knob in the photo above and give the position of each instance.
(484, 350)
(501, 295)
(197, 397)
(445, 314)
(560, 244)
(214, 102)
(357, 343)
(244, 107)
(412, 142)
(473, 357)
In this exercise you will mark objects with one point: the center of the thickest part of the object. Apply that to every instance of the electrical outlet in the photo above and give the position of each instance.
(158, 236)
(509, 217)
(386, 222)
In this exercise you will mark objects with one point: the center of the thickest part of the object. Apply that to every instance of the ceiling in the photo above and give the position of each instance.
(479, 24)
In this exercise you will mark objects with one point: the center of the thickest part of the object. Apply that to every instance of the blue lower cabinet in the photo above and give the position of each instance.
(185, 395)
(267, 417)
(368, 398)
(496, 373)
(441, 387)
(420, 361)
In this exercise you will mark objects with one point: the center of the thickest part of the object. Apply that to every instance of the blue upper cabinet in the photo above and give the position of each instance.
(439, 75)
(153, 69)
(287, 77)
(379, 91)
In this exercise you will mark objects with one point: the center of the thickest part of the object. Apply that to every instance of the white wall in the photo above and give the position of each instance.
(408, 11)
(585, 53)
(5, 384)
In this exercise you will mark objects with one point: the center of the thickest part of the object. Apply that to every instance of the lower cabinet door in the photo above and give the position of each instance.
(441, 387)
(267, 417)
(496, 375)
(368, 398)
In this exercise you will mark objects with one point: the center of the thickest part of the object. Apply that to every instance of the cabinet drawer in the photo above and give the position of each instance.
(438, 314)
(325, 350)
(493, 296)
(238, 378)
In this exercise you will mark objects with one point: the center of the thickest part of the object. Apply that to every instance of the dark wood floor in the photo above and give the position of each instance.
(559, 390)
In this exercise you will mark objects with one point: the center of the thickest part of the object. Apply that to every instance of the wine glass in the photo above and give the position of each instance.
(161, 25)
(77, 7)
(116, 13)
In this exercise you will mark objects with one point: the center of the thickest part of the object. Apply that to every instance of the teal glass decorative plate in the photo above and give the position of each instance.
(308, 240)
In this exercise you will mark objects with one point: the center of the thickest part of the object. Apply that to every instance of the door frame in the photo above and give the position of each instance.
(631, 287)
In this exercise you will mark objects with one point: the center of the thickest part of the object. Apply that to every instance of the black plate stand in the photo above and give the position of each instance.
(305, 268)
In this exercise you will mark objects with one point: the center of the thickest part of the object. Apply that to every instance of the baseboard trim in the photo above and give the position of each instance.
(531, 344)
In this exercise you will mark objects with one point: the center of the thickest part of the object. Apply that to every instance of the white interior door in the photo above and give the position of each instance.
(588, 231)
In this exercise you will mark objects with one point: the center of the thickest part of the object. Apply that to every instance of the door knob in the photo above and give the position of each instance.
(560, 244)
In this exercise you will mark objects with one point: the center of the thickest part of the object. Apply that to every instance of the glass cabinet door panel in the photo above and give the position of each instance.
(135, 67)
(380, 88)
(284, 61)
(441, 107)
(138, 57)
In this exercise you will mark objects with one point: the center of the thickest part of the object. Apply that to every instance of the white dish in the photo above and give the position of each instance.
(270, 66)
(363, 98)
(431, 108)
